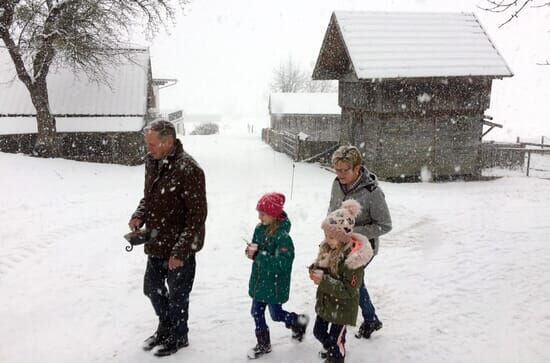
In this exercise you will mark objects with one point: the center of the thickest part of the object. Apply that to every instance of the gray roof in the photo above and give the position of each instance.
(73, 93)
(374, 45)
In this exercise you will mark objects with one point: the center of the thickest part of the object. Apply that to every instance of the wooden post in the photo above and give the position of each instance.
(528, 161)
(542, 142)
(517, 139)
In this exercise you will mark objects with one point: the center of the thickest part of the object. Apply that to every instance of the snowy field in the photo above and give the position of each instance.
(463, 277)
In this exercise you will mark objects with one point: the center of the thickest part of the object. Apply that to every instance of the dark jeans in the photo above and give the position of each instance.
(171, 304)
(277, 314)
(367, 309)
(332, 338)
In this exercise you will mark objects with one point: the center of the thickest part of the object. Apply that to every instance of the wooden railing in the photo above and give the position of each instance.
(290, 144)
(528, 152)
(299, 149)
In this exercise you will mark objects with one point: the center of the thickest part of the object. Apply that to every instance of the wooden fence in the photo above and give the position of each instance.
(510, 155)
(299, 148)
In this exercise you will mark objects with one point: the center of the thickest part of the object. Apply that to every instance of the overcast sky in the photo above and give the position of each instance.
(223, 53)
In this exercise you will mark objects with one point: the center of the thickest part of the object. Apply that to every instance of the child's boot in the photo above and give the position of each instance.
(263, 346)
(334, 360)
(299, 327)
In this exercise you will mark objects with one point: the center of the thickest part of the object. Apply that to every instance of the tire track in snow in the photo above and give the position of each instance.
(36, 248)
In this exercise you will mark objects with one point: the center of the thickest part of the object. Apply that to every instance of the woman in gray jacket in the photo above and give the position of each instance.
(354, 181)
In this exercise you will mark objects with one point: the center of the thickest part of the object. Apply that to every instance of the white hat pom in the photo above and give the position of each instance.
(352, 207)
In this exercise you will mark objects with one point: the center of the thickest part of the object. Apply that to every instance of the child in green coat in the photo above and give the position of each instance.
(338, 272)
(273, 253)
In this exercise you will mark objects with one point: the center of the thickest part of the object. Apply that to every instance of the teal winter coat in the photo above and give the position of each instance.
(270, 277)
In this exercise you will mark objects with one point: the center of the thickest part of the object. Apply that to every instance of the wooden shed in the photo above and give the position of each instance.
(314, 114)
(96, 122)
(413, 88)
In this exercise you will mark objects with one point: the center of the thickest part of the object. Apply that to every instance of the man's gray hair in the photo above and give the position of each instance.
(163, 127)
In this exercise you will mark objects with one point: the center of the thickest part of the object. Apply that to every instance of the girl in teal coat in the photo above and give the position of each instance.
(273, 253)
(338, 272)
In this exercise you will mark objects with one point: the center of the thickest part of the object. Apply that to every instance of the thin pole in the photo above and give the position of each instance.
(292, 182)
(528, 161)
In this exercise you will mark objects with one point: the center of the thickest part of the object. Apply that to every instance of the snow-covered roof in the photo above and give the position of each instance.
(407, 45)
(72, 93)
(304, 103)
(24, 125)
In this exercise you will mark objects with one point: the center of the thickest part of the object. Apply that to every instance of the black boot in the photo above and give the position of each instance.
(171, 346)
(334, 360)
(158, 338)
(263, 346)
(299, 327)
(367, 328)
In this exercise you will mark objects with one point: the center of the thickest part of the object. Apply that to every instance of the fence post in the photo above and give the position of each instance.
(542, 142)
(528, 161)
(517, 139)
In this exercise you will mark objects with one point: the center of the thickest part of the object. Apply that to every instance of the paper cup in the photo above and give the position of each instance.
(319, 273)
(251, 249)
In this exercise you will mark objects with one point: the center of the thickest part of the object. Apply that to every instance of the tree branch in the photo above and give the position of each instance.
(6, 20)
(516, 13)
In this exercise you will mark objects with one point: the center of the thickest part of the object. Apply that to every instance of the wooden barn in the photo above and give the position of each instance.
(314, 114)
(96, 122)
(413, 88)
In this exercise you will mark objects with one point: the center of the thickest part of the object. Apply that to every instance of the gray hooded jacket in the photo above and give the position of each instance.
(374, 219)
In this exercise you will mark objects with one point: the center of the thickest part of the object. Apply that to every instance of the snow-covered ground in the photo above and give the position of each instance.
(463, 277)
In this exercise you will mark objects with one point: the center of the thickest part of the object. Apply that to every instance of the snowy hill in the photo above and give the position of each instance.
(463, 277)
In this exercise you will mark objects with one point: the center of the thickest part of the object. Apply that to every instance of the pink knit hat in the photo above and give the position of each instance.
(272, 205)
(339, 223)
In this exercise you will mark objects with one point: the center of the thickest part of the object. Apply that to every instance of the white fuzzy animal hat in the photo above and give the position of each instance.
(340, 222)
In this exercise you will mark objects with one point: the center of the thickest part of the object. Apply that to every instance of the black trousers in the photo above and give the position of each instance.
(169, 292)
(332, 336)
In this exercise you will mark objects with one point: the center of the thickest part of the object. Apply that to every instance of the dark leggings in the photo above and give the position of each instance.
(332, 338)
(275, 310)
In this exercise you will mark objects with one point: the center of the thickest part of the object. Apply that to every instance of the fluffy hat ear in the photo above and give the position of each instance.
(339, 223)
(352, 206)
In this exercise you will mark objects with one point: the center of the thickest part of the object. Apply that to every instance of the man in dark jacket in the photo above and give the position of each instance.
(354, 181)
(173, 210)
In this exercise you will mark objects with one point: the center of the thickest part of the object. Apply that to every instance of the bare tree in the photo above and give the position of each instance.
(84, 34)
(512, 9)
(320, 86)
(288, 77)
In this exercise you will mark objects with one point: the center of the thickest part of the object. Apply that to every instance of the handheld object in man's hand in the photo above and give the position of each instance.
(136, 238)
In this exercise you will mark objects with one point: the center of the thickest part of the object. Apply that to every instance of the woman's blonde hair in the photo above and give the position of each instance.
(348, 154)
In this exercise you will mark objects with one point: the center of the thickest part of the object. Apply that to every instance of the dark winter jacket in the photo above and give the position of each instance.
(270, 277)
(338, 294)
(374, 219)
(174, 205)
